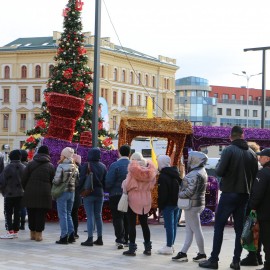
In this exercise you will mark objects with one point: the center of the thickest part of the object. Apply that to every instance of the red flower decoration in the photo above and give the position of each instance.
(89, 98)
(78, 86)
(107, 142)
(30, 139)
(100, 125)
(78, 5)
(68, 73)
(41, 123)
(81, 50)
(30, 154)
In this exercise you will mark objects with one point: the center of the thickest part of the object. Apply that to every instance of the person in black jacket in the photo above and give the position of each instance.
(237, 168)
(12, 190)
(260, 201)
(168, 188)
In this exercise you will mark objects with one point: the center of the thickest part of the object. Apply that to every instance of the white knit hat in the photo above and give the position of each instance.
(67, 152)
(163, 161)
(139, 157)
(77, 158)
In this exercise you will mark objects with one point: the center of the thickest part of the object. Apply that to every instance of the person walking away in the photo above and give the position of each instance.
(253, 258)
(77, 198)
(24, 160)
(12, 191)
(37, 183)
(168, 189)
(139, 183)
(94, 202)
(66, 171)
(116, 175)
(237, 168)
(260, 201)
(194, 187)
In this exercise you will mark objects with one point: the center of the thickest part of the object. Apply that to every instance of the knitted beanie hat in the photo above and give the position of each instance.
(15, 155)
(163, 161)
(43, 149)
(139, 157)
(77, 159)
(24, 155)
(67, 152)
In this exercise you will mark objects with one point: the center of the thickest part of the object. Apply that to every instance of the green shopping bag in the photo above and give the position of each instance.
(247, 237)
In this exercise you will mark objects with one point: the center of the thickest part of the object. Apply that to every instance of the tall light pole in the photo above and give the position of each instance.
(96, 74)
(263, 49)
(245, 75)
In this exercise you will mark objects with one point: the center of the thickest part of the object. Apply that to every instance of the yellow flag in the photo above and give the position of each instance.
(150, 115)
(149, 107)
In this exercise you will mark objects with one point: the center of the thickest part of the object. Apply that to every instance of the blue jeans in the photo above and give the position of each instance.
(64, 208)
(229, 204)
(93, 209)
(170, 215)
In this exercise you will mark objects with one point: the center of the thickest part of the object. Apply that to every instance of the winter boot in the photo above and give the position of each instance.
(32, 235)
(132, 247)
(62, 240)
(38, 236)
(147, 248)
(88, 242)
(71, 238)
(250, 260)
(99, 241)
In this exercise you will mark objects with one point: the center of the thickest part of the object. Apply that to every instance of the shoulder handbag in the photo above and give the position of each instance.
(123, 203)
(184, 203)
(88, 185)
(57, 190)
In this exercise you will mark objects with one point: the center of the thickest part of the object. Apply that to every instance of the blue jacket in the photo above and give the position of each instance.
(98, 169)
(116, 175)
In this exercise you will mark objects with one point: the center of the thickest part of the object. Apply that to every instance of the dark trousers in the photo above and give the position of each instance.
(229, 204)
(265, 238)
(75, 219)
(120, 220)
(132, 218)
(12, 208)
(36, 219)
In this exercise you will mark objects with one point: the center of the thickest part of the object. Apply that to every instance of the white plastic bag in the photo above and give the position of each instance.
(123, 203)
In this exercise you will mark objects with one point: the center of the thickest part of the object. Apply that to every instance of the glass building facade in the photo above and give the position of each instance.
(192, 101)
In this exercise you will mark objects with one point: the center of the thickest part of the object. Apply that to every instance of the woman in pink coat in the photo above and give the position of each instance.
(140, 181)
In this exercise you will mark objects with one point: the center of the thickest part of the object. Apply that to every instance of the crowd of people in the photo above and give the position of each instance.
(244, 174)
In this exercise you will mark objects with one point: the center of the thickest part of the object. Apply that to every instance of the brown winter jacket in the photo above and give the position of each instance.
(37, 182)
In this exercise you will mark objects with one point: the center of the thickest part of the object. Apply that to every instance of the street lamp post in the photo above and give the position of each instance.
(245, 75)
(263, 49)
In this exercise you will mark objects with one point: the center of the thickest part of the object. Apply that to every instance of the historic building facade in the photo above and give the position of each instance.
(127, 78)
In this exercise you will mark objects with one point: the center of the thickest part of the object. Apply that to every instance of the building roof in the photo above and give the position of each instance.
(38, 43)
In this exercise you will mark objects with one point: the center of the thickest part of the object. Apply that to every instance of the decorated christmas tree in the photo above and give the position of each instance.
(71, 76)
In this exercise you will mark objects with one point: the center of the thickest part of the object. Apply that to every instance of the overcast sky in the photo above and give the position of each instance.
(206, 37)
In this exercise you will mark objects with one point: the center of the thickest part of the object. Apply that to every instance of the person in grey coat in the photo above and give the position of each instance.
(194, 187)
(37, 183)
(11, 188)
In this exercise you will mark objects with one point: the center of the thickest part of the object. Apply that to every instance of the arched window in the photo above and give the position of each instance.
(51, 70)
(37, 71)
(24, 72)
(153, 81)
(146, 80)
(131, 78)
(7, 72)
(139, 78)
(102, 71)
(123, 76)
(115, 74)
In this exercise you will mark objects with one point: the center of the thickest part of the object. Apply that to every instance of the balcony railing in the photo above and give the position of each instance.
(243, 102)
(136, 109)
